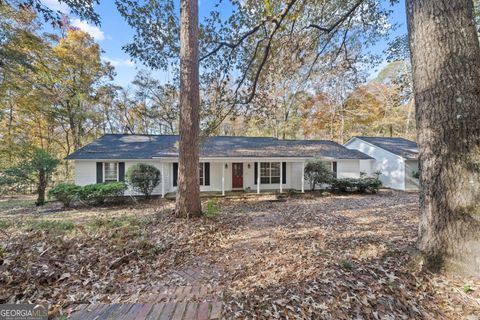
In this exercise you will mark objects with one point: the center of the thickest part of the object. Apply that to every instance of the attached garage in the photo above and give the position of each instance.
(395, 158)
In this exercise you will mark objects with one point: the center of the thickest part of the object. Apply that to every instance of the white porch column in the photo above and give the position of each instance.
(223, 178)
(303, 176)
(281, 177)
(258, 177)
(163, 180)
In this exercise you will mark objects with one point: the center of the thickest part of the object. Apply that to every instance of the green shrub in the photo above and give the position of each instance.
(143, 178)
(317, 172)
(98, 193)
(362, 184)
(342, 185)
(65, 193)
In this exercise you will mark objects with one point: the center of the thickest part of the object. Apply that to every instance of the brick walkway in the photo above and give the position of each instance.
(148, 311)
(168, 303)
(182, 293)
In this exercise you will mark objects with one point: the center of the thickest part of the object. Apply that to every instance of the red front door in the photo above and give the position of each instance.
(237, 175)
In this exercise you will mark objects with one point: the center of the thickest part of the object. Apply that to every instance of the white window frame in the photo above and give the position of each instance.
(104, 172)
(269, 170)
(201, 173)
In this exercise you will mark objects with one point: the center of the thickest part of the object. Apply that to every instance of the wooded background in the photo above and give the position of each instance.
(57, 94)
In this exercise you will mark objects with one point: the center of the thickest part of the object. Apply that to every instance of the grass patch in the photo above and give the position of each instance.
(5, 224)
(212, 208)
(346, 264)
(51, 225)
(3, 252)
(12, 203)
(467, 288)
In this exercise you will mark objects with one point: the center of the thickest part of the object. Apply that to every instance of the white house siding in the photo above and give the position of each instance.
(391, 165)
(345, 169)
(411, 166)
(216, 177)
(348, 168)
(156, 164)
(85, 172)
(248, 177)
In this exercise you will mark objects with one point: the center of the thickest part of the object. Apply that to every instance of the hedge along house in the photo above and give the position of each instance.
(396, 158)
(226, 163)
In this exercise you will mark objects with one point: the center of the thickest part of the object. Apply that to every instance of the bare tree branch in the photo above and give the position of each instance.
(339, 21)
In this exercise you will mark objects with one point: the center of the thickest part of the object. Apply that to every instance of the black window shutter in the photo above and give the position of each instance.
(335, 168)
(207, 173)
(99, 172)
(256, 173)
(121, 171)
(284, 172)
(175, 173)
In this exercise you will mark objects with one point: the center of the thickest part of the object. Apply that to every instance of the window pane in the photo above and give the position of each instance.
(327, 165)
(275, 180)
(265, 180)
(275, 171)
(264, 169)
(110, 171)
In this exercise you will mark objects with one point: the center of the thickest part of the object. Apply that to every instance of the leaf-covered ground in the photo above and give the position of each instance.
(338, 257)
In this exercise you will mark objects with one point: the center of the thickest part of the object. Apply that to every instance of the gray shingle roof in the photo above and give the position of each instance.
(120, 146)
(402, 147)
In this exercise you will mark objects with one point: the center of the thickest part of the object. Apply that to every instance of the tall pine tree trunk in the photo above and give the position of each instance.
(446, 72)
(188, 193)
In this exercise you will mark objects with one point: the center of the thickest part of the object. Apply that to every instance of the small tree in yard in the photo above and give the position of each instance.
(36, 169)
(143, 178)
(316, 172)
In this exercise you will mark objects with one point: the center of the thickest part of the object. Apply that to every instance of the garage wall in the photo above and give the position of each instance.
(391, 166)
(411, 166)
(367, 166)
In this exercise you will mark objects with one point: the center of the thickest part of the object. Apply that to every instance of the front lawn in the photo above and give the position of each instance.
(337, 257)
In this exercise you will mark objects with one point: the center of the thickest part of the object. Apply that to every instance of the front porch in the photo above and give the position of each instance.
(235, 194)
(226, 177)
